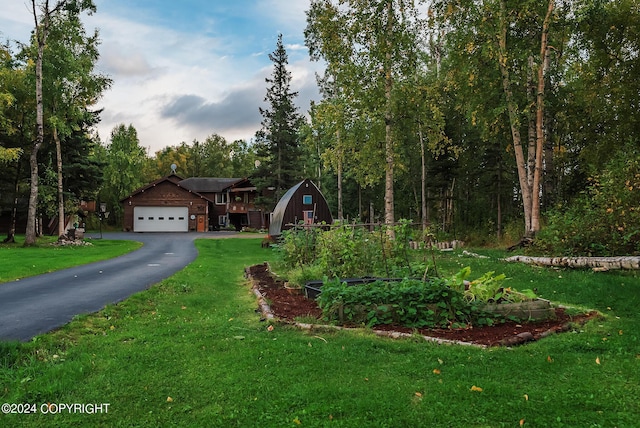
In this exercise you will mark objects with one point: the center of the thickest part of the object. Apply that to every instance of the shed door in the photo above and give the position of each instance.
(160, 219)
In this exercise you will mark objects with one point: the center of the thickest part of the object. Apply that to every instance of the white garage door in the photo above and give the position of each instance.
(160, 219)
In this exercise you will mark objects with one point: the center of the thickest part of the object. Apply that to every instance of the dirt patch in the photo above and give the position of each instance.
(290, 307)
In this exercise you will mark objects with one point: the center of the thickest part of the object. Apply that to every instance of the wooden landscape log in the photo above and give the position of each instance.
(596, 263)
(539, 309)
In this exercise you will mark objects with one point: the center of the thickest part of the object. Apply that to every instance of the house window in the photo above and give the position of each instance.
(180, 218)
(150, 218)
(140, 218)
(172, 218)
(221, 198)
(222, 220)
(307, 199)
(160, 218)
(244, 220)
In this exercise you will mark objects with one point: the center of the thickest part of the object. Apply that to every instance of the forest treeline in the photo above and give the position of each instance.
(485, 121)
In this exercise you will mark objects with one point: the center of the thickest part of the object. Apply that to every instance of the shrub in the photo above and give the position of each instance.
(347, 250)
(603, 221)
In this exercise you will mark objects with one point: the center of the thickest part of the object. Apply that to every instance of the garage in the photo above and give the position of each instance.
(160, 219)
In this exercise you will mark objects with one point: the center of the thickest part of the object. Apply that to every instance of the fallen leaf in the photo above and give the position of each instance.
(270, 328)
(297, 421)
(526, 397)
(113, 327)
(436, 371)
(418, 394)
(521, 422)
(620, 332)
(169, 400)
(440, 361)
(183, 308)
(549, 359)
(598, 360)
(476, 388)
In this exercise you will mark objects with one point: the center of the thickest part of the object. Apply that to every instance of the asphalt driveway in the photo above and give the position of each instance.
(39, 304)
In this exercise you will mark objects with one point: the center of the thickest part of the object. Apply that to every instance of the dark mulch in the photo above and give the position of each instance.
(290, 306)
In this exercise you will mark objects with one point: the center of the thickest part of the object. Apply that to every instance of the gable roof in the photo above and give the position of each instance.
(199, 185)
(208, 184)
(172, 178)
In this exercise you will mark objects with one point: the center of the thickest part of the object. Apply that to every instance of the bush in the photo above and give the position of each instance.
(603, 221)
(347, 250)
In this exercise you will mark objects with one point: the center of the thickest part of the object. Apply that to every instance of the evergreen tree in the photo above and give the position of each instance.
(278, 145)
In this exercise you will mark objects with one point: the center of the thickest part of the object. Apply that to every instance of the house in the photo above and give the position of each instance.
(174, 204)
(303, 203)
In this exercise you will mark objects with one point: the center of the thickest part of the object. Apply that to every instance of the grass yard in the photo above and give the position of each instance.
(17, 261)
(192, 351)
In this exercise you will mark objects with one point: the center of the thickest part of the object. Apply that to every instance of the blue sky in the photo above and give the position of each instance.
(183, 70)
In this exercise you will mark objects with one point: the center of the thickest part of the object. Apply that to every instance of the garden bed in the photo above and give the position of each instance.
(292, 307)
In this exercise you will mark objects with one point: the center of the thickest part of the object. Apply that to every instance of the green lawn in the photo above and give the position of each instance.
(192, 351)
(17, 261)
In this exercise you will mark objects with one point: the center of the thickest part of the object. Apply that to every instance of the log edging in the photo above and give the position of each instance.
(595, 263)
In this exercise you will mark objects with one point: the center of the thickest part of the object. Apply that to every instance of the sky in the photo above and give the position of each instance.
(187, 69)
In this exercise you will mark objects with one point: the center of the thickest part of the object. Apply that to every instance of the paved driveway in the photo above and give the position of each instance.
(38, 304)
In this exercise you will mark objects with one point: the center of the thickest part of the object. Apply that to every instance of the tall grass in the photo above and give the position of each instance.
(192, 351)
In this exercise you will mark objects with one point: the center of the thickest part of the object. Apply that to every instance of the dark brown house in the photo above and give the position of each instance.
(303, 203)
(174, 204)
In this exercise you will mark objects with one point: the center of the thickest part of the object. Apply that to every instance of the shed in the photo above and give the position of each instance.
(302, 203)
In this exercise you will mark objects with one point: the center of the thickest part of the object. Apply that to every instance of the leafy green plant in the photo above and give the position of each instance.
(298, 246)
(299, 275)
(409, 302)
(487, 289)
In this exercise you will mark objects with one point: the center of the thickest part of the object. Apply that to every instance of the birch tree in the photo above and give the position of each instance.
(367, 45)
(512, 38)
(43, 14)
(72, 86)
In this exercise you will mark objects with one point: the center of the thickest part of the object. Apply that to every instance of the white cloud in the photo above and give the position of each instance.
(180, 78)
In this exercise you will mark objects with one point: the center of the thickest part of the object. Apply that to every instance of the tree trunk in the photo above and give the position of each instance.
(596, 263)
(11, 233)
(423, 182)
(340, 212)
(389, 216)
(61, 217)
(514, 123)
(30, 234)
(499, 202)
(537, 176)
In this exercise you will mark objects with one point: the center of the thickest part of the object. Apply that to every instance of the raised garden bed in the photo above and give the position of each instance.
(290, 308)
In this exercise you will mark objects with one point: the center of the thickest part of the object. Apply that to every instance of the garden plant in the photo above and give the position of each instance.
(415, 299)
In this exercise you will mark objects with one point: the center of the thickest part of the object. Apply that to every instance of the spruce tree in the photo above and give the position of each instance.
(278, 142)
